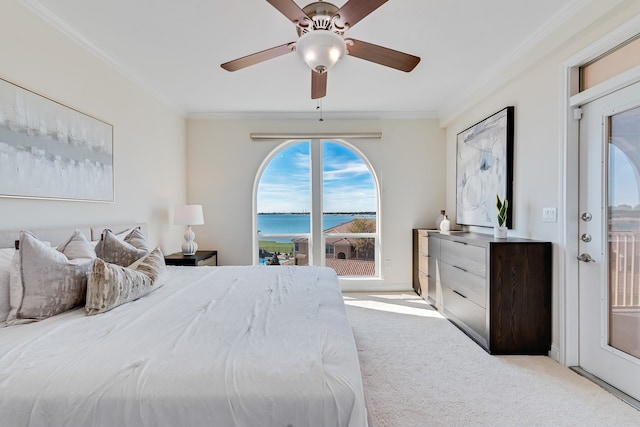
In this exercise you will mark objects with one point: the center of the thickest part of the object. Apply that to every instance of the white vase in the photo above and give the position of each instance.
(445, 225)
(500, 232)
(439, 219)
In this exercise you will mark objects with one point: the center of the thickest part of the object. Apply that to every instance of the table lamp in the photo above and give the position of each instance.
(189, 215)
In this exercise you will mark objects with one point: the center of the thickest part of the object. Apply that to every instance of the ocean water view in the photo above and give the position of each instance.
(289, 223)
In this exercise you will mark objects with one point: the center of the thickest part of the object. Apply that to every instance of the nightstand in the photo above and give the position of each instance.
(200, 258)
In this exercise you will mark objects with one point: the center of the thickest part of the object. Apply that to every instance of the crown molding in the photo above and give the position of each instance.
(325, 115)
(59, 24)
(489, 81)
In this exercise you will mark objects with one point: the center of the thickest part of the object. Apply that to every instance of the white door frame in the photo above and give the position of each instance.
(568, 305)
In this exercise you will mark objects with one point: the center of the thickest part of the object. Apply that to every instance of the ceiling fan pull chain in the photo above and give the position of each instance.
(319, 107)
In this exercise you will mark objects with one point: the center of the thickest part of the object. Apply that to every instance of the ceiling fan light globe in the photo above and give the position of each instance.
(321, 49)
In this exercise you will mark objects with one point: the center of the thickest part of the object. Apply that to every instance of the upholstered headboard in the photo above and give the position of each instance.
(57, 235)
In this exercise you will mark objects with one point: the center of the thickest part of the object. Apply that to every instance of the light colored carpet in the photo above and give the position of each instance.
(418, 369)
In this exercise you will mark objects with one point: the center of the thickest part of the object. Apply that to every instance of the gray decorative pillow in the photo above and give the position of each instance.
(137, 239)
(115, 251)
(112, 285)
(6, 255)
(51, 282)
(77, 246)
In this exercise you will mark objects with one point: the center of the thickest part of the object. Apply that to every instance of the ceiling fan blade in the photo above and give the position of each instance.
(382, 55)
(258, 57)
(354, 10)
(318, 85)
(291, 10)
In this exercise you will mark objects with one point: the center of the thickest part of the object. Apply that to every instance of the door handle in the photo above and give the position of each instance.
(585, 258)
(586, 217)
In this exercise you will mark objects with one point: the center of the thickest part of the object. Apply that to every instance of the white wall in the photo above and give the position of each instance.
(223, 163)
(149, 138)
(534, 86)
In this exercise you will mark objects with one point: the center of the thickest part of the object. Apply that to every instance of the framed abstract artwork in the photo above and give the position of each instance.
(51, 151)
(484, 169)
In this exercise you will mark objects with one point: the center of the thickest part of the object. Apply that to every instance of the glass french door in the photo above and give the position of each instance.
(609, 232)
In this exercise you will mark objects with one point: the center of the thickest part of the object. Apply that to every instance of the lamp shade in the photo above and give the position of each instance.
(321, 49)
(188, 215)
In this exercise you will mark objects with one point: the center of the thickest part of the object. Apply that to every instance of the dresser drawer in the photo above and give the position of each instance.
(432, 265)
(433, 293)
(472, 316)
(468, 284)
(423, 243)
(434, 248)
(423, 263)
(424, 281)
(468, 257)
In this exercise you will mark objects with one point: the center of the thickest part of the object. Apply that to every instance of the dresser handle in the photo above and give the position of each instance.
(462, 243)
(460, 268)
(456, 292)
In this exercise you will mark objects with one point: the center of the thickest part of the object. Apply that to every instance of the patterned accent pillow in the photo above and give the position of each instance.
(44, 281)
(121, 252)
(151, 265)
(112, 285)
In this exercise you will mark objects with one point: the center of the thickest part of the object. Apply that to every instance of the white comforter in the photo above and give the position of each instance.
(214, 346)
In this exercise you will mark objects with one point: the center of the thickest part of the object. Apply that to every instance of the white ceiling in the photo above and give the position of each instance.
(174, 49)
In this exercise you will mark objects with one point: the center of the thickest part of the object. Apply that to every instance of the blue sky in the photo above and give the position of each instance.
(623, 188)
(285, 184)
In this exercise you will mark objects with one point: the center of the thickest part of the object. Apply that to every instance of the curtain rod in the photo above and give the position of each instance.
(354, 135)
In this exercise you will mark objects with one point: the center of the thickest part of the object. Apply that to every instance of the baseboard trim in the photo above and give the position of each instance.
(554, 353)
(608, 387)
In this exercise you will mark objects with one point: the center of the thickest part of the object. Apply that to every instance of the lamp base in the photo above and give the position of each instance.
(189, 247)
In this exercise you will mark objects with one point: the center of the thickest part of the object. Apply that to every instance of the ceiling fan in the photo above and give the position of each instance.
(321, 43)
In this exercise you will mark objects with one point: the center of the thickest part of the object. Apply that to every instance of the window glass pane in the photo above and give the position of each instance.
(353, 258)
(348, 186)
(283, 205)
(285, 184)
(611, 64)
(349, 207)
(624, 232)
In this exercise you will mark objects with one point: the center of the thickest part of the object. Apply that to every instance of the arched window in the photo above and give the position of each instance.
(316, 203)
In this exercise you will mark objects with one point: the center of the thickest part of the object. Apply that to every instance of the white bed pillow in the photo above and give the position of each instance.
(44, 281)
(6, 255)
(122, 252)
(111, 285)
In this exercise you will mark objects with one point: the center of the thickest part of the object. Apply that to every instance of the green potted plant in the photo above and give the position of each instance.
(500, 232)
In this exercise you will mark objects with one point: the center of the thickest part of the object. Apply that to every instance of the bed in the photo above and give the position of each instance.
(209, 346)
